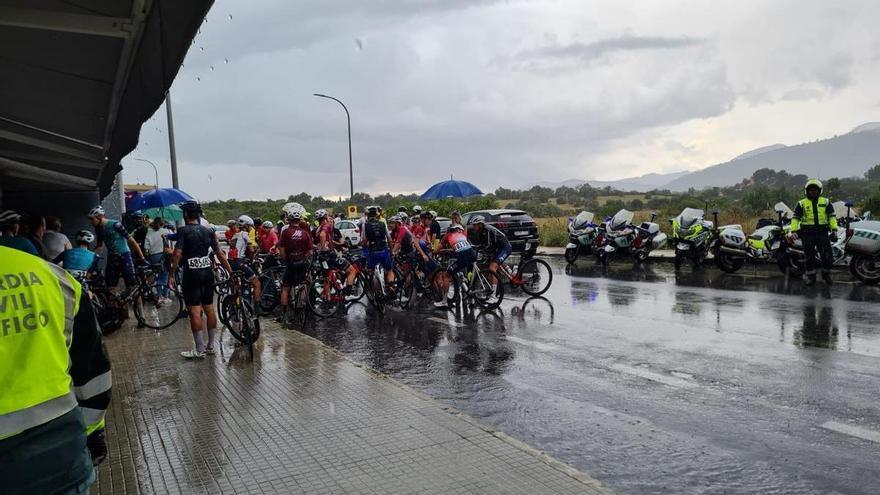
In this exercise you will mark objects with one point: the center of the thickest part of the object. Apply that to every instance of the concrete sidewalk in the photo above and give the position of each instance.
(300, 418)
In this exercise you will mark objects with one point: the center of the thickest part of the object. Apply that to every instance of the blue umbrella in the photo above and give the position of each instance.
(451, 188)
(158, 198)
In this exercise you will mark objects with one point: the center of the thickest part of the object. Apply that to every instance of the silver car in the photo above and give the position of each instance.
(351, 233)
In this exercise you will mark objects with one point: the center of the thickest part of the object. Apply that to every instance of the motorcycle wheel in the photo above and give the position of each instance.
(571, 255)
(789, 265)
(727, 263)
(865, 268)
(602, 257)
(641, 256)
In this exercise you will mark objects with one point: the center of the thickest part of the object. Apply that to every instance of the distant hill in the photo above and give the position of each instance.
(641, 183)
(849, 155)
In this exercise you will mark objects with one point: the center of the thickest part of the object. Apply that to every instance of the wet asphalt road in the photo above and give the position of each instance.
(654, 382)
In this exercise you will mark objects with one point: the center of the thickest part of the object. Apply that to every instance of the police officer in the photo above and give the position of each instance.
(813, 218)
(54, 379)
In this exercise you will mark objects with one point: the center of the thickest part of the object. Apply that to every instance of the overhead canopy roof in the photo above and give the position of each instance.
(78, 78)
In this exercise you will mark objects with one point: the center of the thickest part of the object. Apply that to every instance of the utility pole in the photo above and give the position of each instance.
(348, 119)
(174, 182)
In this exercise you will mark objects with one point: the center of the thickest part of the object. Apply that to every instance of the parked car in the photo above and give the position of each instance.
(351, 233)
(444, 224)
(519, 227)
(220, 233)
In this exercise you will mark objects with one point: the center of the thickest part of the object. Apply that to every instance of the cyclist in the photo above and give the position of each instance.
(244, 251)
(417, 211)
(419, 227)
(194, 245)
(492, 241)
(268, 238)
(455, 242)
(404, 219)
(375, 243)
(404, 242)
(295, 247)
(120, 246)
(327, 245)
(80, 261)
(231, 230)
(435, 231)
(9, 225)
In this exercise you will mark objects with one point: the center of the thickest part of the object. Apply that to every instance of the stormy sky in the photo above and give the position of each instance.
(504, 92)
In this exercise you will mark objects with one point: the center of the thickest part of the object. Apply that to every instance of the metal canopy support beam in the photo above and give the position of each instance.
(23, 170)
(71, 23)
(57, 160)
(58, 148)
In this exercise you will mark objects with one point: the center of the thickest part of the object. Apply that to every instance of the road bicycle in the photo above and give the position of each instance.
(471, 287)
(532, 275)
(327, 292)
(145, 296)
(236, 309)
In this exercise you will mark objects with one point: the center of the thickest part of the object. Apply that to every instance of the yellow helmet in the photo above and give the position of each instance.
(813, 182)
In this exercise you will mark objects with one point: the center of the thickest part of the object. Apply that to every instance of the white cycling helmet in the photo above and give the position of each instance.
(477, 219)
(395, 218)
(268, 224)
(291, 207)
(245, 220)
(230, 223)
(320, 213)
(403, 216)
(457, 227)
(417, 209)
(85, 236)
(9, 217)
(97, 211)
(433, 213)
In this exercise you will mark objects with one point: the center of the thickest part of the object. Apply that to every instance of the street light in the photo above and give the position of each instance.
(348, 119)
(154, 169)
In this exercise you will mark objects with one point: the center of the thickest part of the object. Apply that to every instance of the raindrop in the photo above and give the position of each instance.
(230, 17)
(198, 78)
(202, 48)
(225, 60)
(206, 19)
(212, 67)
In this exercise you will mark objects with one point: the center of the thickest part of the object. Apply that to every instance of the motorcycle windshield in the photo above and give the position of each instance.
(582, 220)
(782, 207)
(621, 219)
(690, 216)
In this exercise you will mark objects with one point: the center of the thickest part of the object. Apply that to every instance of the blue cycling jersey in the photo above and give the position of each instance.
(114, 236)
(79, 259)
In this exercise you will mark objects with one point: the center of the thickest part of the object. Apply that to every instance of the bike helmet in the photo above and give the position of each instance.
(320, 213)
(191, 207)
(394, 219)
(425, 214)
(456, 227)
(9, 217)
(813, 183)
(85, 236)
(478, 219)
(97, 211)
(230, 223)
(401, 209)
(403, 216)
(268, 224)
(245, 220)
(373, 210)
(417, 210)
(433, 214)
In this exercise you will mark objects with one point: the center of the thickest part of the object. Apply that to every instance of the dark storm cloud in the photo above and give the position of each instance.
(600, 48)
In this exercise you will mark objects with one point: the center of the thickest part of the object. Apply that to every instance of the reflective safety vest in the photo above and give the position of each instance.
(814, 216)
(38, 301)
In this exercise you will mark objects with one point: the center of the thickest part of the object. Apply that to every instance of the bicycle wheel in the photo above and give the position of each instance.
(487, 295)
(220, 276)
(357, 290)
(154, 313)
(406, 288)
(323, 295)
(536, 276)
(437, 284)
(240, 320)
(108, 310)
(270, 291)
(377, 289)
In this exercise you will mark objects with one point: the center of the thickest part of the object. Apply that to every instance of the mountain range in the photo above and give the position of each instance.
(847, 155)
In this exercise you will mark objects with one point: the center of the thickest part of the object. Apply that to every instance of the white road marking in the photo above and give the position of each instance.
(447, 322)
(654, 377)
(532, 343)
(853, 431)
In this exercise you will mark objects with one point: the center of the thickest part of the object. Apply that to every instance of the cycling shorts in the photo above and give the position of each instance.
(462, 260)
(380, 257)
(501, 254)
(198, 287)
(295, 273)
(120, 264)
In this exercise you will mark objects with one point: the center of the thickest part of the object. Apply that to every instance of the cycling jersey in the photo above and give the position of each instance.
(403, 237)
(418, 230)
(327, 230)
(490, 238)
(268, 240)
(242, 241)
(296, 241)
(79, 261)
(457, 241)
(195, 242)
(375, 235)
(113, 235)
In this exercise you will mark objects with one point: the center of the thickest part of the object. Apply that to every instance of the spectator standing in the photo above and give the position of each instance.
(157, 248)
(36, 227)
(9, 225)
(54, 242)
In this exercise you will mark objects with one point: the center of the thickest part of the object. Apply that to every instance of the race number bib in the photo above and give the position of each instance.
(197, 263)
(462, 245)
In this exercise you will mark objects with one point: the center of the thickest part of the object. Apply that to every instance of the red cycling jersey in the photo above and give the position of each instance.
(327, 230)
(457, 241)
(297, 241)
(418, 230)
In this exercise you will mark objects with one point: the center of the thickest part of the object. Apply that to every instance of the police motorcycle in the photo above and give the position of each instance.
(767, 243)
(615, 236)
(648, 238)
(693, 236)
(863, 244)
(581, 235)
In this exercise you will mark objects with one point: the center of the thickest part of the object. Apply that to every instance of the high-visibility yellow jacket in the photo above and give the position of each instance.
(54, 373)
(814, 215)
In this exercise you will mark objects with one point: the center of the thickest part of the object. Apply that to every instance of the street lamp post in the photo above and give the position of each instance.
(348, 119)
(154, 169)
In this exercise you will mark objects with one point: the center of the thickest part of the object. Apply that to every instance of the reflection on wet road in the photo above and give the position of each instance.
(654, 382)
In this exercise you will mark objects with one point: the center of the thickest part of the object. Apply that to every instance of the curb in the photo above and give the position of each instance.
(556, 464)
